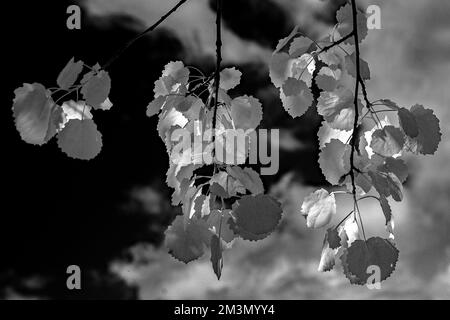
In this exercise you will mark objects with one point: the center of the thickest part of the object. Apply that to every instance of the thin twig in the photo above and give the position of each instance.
(336, 43)
(143, 33)
(218, 62)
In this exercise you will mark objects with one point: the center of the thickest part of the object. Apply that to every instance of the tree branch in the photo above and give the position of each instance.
(218, 62)
(336, 43)
(356, 118)
(143, 33)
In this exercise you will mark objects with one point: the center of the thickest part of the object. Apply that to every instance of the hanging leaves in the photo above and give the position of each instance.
(352, 154)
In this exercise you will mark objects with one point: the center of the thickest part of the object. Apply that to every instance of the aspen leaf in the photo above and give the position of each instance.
(285, 41)
(389, 103)
(155, 106)
(300, 97)
(331, 161)
(229, 78)
(337, 108)
(96, 90)
(350, 63)
(187, 241)
(218, 223)
(279, 68)
(333, 238)
(408, 122)
(345, 23)
(299, 46)
(246, 112)
(429, 135)
(216, 256)
(386, 208)
(248, 177)
(327, 258)
(69, 74)
(396, 166)
(387, 141)
(258, 215)
(318, 208)
(375, 251)
(32, 107)
(80, 139)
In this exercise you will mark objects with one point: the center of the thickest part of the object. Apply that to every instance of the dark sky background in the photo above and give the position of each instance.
(108, 215)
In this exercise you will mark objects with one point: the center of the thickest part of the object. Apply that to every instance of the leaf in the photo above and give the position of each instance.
(345, 23)
(430, 134)
(298, 98)
(76, 110)
(293, 87)
(326, 134)
(106, 105)
(303, 68)
(375, 251)
(299, 46)
(218, 190)
(229, 78)
(32, 107)
(279, 68)
(69, 74)
(245, 234)
(331, 161)
(350, 63)
(326, 79)
(186, 242)
(349, 232)
(258, 215)
(318, 208)
(248, 177)
(155, 106)
(96, 90)
(388, 141)
(327, 257)
(387, 184)
(337, 108)
(389, 103)
(386, 208)
(283, 42)
(218, 223)
(396, 166)
(333, 239)
(216, 256)
(80, 139)
(174, 78)
(246, 112)
(408, 122)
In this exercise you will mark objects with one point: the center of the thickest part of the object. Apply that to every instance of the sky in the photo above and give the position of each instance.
(410, 63)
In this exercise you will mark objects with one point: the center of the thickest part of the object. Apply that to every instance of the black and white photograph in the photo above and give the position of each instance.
(205, 151)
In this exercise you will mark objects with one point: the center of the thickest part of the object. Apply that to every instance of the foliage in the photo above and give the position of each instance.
(360, 154)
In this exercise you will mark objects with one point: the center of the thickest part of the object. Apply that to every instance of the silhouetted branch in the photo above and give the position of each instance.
(143, 33)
